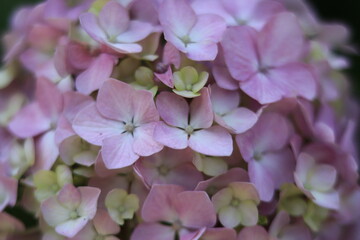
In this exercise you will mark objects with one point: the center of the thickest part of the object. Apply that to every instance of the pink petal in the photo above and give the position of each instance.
(219, 234)
(158, 205)
(189, 202)
(90, 24)
(170, 136)
(71, 227)
(208, 28)
(94, 128)
(171, 55)
(54, 213)
(137, 31)
(115, 100)
(104, 224)
(144, 143)
(144, 107)
(204, 51)
(281, 40)
(201, 114)
(98, 72)
(117, 151)
(166, 77)
(255, 232)
(89, 199)
(262, 180)
(114, 18)
(49, 97)
(238, 121)
(280, 165)
(153, 231)
(203, 141)
(125, 47)
(240, 52)
(223, 77)
(20, 126)
(69, 197)
(293, 80)
(178, 16)
(173, 109)
(271, 132)
(193, 176)
(223, 101)
(46, 151)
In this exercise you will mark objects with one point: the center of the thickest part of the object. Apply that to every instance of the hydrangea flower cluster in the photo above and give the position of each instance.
(176, 120)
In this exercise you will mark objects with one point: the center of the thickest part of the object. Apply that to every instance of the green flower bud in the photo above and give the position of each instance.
(188, 82)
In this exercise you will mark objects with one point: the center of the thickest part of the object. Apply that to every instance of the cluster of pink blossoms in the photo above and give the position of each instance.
(176, 120)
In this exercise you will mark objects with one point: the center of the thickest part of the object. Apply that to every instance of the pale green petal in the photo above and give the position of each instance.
(222, 198)
(249, 213)
(201, 82)
(115, 198)
(229, 217)
(187, 94)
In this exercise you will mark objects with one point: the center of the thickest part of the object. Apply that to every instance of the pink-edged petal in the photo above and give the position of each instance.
(203, 51)
(238, 121)
(252, 233)
(54, 213)
(203, 141)
(293, 80)
(46, 151)
(98, 72)
(281, 40)
(115, 100)
(104, 224)
(71, 227)
(153, 231)
(178, 16)
(89, 199)
(173, 109)
(114, 18)
(69, 197)
(208, 28)
(144, 143)
(201, 114)
(170, 136)
(118, 152)
(158, 204)
(240, 52)
(90, 24)
(94, 128)
(223, 101)
(136, 31)
(10, 185)
(262, 180)
(20, 124)
(189, 202)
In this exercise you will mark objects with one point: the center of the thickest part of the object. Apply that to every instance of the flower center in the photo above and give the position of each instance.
(235, 202)
(163, 170)
(74, 215)
(177, 225)
(121, 209)
(257, 156)
(189, 129)
(129, 127)
(186, 40)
